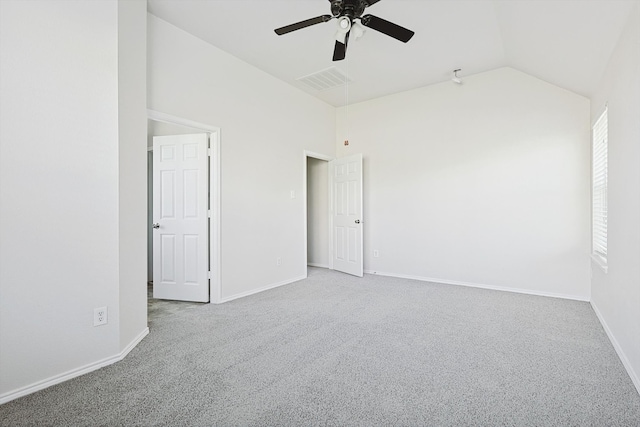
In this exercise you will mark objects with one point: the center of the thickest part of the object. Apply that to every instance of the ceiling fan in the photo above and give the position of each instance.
(348, 13)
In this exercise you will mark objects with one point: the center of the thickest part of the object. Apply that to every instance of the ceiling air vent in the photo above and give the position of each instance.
(325, 79)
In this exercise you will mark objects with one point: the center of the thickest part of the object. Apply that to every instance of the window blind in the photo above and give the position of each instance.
(599, 188)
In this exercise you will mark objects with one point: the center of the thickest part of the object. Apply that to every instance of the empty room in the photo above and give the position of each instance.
(358, 212)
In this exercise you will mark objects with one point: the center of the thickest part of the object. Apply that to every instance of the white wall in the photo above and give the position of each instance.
(132, 163)
(616, 294)
(65, 246)
(265, 127)
(485, 183)
(59, 177)
(317, 212)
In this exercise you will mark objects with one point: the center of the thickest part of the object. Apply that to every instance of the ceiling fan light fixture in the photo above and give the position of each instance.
(455, 78)
(357, 30)
(344, 24)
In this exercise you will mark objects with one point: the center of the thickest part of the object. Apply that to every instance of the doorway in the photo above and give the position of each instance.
(317, 212)
(159, 125)
(333, 212)
(317, 209)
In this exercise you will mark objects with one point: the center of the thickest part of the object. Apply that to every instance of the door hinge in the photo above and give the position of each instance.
(209, 214)
(208, 275)
(209, 152)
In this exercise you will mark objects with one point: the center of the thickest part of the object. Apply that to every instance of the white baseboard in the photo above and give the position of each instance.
(313, 264)
(125, 351)
(480, 285)
(262, 289)
(57, 379)
(623, 357)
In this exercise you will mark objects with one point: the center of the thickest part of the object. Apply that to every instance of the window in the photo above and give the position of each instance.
(599, 190)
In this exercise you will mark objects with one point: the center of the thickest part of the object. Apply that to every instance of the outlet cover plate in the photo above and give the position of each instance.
(100, 316)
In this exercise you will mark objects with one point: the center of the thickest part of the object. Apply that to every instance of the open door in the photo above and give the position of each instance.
(345, 180)
(180, 219)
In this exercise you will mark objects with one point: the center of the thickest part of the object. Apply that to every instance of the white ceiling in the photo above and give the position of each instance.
(564, 42)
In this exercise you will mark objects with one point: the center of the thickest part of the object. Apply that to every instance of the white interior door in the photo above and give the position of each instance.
(180, 220)
(345, 178)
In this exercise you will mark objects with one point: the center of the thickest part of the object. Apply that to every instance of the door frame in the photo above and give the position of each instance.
(306, 154)
(215, 290)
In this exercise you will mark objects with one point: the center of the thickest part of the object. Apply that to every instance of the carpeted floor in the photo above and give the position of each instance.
(159, 308)
(338, 350)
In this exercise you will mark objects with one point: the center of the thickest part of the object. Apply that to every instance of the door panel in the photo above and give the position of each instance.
(346, 216)
(168, 258)
(180, 205)
(167, 194)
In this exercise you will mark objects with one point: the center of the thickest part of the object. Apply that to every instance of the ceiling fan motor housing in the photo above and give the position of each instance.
(351, 8)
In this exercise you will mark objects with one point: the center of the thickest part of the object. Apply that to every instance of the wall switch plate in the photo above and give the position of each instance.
(100, 316)
(376, 254)
(293, 194)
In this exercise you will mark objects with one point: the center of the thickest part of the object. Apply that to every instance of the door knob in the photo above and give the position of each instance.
(357, 221)
(156, 225)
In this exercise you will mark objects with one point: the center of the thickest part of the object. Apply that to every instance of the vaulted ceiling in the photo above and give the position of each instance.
(564, 42)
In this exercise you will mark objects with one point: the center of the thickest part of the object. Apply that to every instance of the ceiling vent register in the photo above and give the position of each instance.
(326, 79)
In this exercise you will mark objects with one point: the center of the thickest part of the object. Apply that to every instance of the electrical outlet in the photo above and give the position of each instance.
(100, 316)
(376, 254)
(278, 261)
(293, 194)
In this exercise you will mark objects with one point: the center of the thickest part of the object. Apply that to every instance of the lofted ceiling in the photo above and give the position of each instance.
(564, 42)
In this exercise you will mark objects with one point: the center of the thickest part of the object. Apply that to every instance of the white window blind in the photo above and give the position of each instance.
(599, 190)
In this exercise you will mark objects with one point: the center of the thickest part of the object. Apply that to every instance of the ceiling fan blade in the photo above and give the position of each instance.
(388, 28)
(303, 24)
(340, 50)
